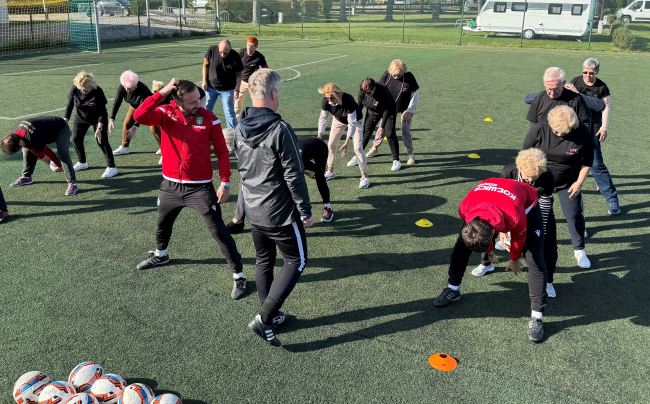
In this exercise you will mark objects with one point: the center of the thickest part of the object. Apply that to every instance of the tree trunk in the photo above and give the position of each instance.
(342, 13)
(255, 16)
(389, 10)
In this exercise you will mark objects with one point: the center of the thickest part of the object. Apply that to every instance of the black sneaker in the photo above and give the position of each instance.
(328, 215)
(238, 288)
(235, 228)
(264, 331)
(279, 319)
(446, 296)
(535, 329)
(152, 261)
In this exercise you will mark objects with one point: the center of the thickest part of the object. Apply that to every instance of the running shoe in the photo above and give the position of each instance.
(396, 165)
(583, 260)
(550, 290)
(110, 172)
(22, 181)
(535, 330)
(264, 331)
(79, 166)
(328, 215)
(121, 151)
(411, 160)
(447, 296)
(364, 183)
(71, 189)
(238, 288)
(353, 162)
(614, 208)
(152, 261)
(482, 270)
(329, 175)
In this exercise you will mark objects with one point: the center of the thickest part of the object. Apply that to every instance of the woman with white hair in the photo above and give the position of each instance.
(346, 113)
(133, 92)
(405, 90)
(589, 84)
(569, 153)
(89, 101)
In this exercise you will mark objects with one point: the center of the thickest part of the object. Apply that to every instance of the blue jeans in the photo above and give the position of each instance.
(600, 172)
(227, 102)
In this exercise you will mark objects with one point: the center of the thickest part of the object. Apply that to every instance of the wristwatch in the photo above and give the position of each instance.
(225, 184)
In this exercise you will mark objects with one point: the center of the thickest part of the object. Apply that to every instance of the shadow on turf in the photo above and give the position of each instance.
(615, 290)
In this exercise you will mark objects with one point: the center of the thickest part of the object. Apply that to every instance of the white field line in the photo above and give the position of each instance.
(48, 70)
(292, 68)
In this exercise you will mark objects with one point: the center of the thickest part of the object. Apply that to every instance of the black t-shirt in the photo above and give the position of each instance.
(401, 89)
(312, 149)
(599, 90)
(222, 72)
(41, 131)
(543, 183)
(133, 98)
(251, 63)
(91, 107)
(379, 102)
(542, 104)
(341, 110)
(565, 155)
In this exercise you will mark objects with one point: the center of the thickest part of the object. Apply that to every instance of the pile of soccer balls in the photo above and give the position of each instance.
(87, 384)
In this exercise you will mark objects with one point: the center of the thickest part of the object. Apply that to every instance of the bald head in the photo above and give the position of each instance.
(224, 48)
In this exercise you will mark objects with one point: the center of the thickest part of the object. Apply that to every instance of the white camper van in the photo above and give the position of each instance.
(541, 17)
(635, 11)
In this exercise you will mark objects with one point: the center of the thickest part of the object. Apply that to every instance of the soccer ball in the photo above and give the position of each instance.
(167, 398)
(82, 398)
(29, 386)
(137, 393)
(84, 375)
(56, 393)
(108, 388)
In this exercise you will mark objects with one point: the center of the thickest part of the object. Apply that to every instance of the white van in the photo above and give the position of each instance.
(541, 17)
(635, 11)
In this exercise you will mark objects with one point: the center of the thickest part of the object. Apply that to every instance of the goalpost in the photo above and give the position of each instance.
(32, 26)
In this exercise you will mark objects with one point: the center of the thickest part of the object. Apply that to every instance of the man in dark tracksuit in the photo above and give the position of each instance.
(314, 158)
(499, 205)
(33, 136)
(190, 133)
(275, 196)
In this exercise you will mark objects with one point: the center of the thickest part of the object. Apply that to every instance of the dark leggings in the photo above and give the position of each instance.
(533, 253)
(315, 159)
(79, 129)
(369, 125)
(3, 204)
(572, 209)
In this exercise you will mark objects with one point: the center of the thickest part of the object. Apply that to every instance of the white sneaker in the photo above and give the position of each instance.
(78, 166)
(396, 165)
(411, 160)
(329, 175)
(583, 261)
(550, 290)
(158, 151)
(353, 162)
(372, 152)
(160, 162)
(120, 151)
(110, 172)
(364, 183)
(55, 168)
(482, 270)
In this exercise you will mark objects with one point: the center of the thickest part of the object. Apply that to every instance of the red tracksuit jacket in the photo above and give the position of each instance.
(185, 144)
(504, 204)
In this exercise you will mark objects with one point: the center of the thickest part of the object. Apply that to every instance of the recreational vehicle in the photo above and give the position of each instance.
(535, 17)
(635, 11)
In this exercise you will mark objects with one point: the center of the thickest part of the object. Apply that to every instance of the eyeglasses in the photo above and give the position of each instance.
(589, 73)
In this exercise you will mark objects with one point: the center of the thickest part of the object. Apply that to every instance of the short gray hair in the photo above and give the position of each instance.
(262, 83)
(592, 63)
(554, 73)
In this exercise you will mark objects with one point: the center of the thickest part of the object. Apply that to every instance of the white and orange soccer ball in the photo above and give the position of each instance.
(29, 386)
(108, 388)
(57, 392)
(84, 375)
(137, 393)
(82, 398)
(167, 398)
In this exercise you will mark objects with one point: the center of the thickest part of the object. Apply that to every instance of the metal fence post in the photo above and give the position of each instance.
(462, 19)
(591, 22)
(99, 42)
(403, 20)
(146, 4)
(523, 23)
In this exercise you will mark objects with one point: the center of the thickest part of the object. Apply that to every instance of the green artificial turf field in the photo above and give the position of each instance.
(364, 322)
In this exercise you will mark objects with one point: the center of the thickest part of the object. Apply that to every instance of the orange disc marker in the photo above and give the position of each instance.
(443, 362)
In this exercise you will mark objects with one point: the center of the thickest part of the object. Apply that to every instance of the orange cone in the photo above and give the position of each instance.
(443, 362)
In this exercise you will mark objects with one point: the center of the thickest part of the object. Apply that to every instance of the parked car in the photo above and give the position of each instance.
(635, 11)
(111, 7)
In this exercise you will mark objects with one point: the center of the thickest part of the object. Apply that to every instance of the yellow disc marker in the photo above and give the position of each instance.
(473, 156)
(423, 223)
(443, 362)
(488, 120)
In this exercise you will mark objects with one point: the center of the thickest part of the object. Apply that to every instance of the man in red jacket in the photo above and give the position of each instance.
(189, 132)
(499, 205)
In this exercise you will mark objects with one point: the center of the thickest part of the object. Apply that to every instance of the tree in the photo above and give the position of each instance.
(342, 10)
(389, 10)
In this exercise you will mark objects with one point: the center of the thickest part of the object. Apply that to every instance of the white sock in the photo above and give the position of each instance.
(160, 253)
(536, 314)
(328, 205)
(238, 275)
(452, 287)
